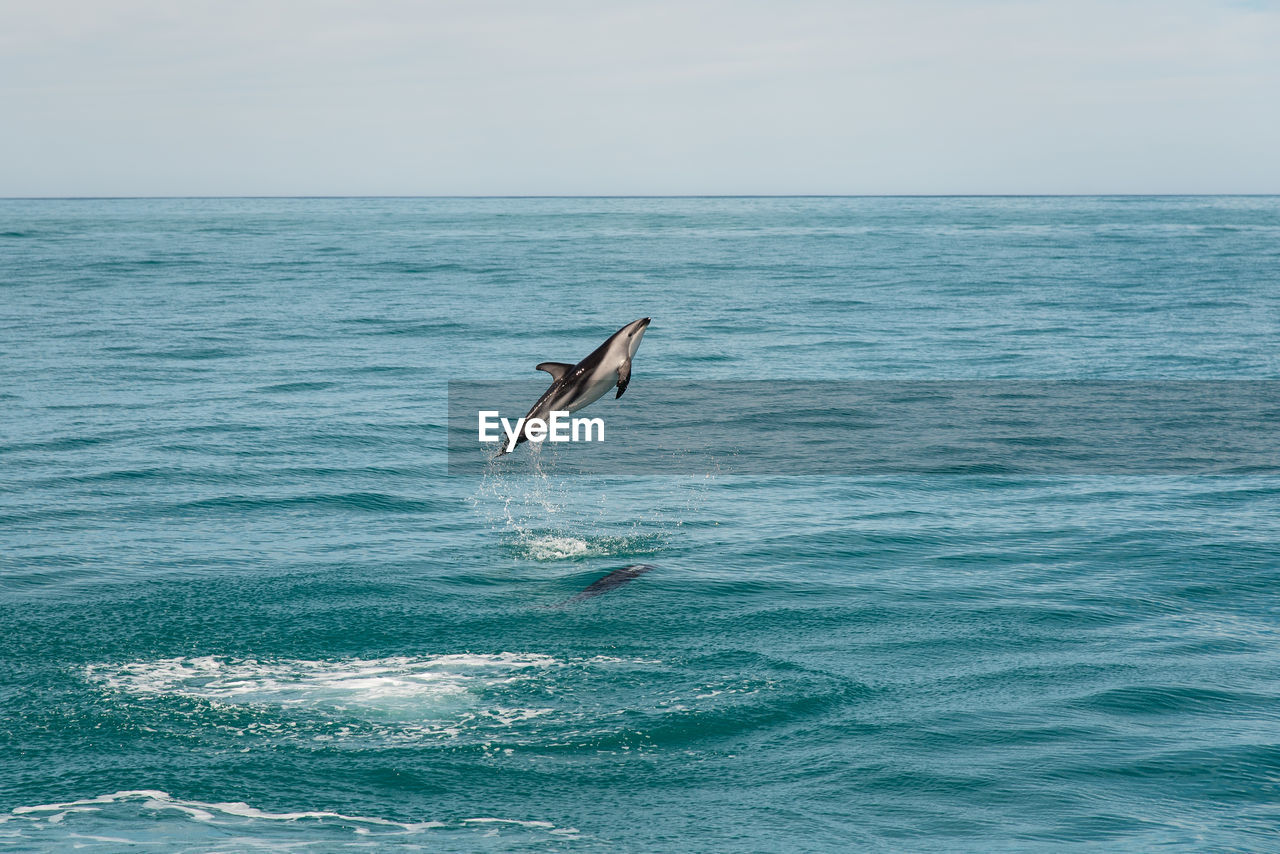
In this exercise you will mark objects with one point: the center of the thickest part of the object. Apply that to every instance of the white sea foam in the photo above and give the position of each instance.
(562, 546)
(399, 688)
(210, 822)
(555, 548)
(483, 699)
(154, 800)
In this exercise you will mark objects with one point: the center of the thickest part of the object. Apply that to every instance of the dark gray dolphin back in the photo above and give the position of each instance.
(617, 578)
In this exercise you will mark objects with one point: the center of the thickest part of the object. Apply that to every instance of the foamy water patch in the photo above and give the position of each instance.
(153, 818)
(436, 688)
(509, 708)
(556, 548)
(554, 545)
(509, 699)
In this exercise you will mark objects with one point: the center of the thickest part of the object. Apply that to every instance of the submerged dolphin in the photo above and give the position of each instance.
(575, 386)
(617, 578)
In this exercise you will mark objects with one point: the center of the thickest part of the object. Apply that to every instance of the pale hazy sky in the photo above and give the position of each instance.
(392, 97)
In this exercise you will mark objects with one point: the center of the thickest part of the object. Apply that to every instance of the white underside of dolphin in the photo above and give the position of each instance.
(576, 386)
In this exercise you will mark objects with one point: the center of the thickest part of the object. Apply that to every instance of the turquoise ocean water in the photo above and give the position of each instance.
(245, 607)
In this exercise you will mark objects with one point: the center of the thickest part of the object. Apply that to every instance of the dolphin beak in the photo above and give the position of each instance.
(637, 328)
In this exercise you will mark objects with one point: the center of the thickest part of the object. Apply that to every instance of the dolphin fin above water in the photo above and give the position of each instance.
(556, 369)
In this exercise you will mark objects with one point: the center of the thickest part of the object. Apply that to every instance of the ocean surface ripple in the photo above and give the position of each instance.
(244, 607)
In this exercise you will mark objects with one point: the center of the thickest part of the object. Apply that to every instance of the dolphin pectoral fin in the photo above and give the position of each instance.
(556, 369)
(624, 377)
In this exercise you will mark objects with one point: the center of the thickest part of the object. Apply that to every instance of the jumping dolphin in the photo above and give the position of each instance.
(617, 578)
(575, 386)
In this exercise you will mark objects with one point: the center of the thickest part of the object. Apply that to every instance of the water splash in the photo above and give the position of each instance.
(540, 516)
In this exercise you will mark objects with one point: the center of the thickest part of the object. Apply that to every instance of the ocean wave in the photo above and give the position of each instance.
(290, 388)
(151, 817)
(368, 502)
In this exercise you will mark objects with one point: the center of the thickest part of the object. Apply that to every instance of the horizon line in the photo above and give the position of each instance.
(176, 197)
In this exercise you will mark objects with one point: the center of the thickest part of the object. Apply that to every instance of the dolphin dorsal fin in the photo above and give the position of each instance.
(556, 369)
